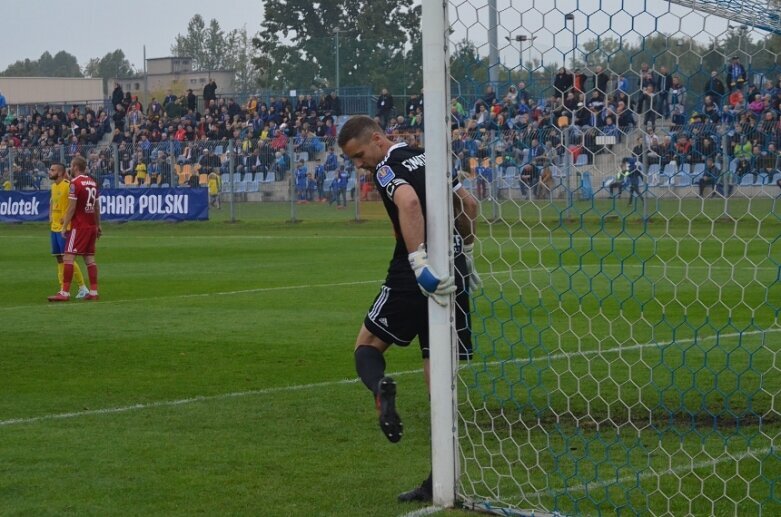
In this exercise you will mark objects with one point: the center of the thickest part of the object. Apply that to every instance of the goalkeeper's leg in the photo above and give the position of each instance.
(370, 366)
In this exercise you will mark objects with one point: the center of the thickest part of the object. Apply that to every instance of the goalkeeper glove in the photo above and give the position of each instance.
(473, 278)
(432, 285)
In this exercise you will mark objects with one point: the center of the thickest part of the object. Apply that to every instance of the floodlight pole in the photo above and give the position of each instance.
(336, 35)
(439, 235)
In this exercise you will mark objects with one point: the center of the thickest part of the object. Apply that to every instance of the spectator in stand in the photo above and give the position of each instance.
(645, 106)
(579, 81)
(117, 95)
(119, 117)
(192, 100)
(677, 94)
(169, 98)
(210, 93)
(711, 110)
(209, 162)
(601, 81)
(683, 151)
(484, 175)
(742, 151)
(412, 104)
(662, 86)
(767, 164)
(562, 82)
(757, 105)
(127, 168)
(710, 176)
(736, 74)
(487, 100)
(384, 107)
(715, 88)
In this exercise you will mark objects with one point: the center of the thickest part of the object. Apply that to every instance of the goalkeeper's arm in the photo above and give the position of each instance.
(466, 209)
(413, 231)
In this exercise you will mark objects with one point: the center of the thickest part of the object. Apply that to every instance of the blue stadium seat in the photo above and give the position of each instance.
(747, 180)
(582, 159)
(239, 186)
(683, 178)
(653, 177)
(667, 174)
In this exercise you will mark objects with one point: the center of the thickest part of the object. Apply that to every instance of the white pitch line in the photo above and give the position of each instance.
(524, 238)
(651, 472)
(429, 510)
(219, 293)
(302, 387)
(488, 274)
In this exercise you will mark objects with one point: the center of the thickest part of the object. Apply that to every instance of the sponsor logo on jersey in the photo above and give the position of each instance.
(383, 321)
(385, 175)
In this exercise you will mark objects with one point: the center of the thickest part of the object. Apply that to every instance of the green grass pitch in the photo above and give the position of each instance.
(215, 376)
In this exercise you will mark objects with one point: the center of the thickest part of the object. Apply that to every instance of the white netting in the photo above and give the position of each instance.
(627, 336)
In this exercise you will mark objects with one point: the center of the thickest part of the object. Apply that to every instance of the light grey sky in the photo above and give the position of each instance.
(91, 28)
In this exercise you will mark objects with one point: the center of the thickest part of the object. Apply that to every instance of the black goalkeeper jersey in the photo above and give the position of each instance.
(403, 165)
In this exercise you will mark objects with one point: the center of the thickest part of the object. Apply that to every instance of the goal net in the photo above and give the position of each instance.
(627, 337)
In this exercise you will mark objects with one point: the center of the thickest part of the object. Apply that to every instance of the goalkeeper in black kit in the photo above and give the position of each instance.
(400, 310)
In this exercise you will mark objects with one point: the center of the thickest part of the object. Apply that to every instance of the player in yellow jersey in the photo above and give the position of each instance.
(214, 189)
(57, 208)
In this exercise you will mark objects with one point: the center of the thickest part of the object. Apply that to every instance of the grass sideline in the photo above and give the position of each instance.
(257, 319)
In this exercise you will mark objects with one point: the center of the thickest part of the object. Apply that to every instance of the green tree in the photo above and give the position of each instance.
(62, 64)
(379, 44)
(240, 59)
(112, 65)
(209, 46)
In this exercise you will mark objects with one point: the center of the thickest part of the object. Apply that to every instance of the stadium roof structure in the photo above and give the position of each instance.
(760, 14)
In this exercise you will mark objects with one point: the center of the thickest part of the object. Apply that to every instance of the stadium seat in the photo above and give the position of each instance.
(218, 150)
(129, 181)
(681, 176)
(203, 179)
(254, 185)
(225, 181)
(653, 177)
(184, 173)
(668, 173)
(746, 180)
(239, 186)
(696, 172)
(582, 159)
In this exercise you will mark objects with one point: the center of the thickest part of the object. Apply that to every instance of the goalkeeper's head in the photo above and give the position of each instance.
(363, 140)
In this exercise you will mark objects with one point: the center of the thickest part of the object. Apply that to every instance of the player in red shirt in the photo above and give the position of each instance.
(83, 216)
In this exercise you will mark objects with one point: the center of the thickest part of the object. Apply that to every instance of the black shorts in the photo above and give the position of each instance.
(398, 315)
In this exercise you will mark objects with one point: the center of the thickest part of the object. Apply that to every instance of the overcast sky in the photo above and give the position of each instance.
(91, 28)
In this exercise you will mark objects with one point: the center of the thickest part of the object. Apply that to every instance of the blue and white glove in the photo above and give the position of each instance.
(473, 278)
(439, 289)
